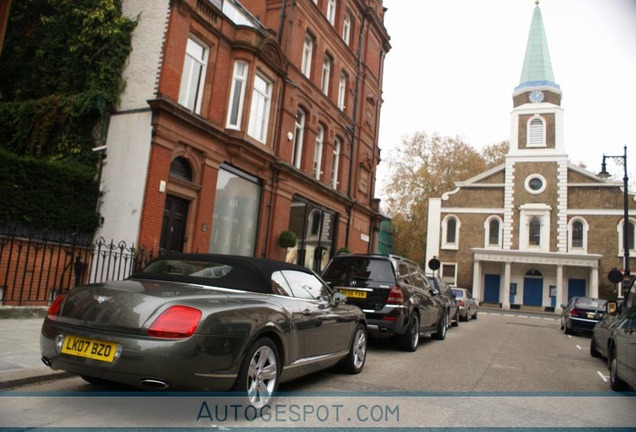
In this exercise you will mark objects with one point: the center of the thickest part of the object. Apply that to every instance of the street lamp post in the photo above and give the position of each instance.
(605, 174)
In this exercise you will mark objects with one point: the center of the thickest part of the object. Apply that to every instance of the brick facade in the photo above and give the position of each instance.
(272, 50)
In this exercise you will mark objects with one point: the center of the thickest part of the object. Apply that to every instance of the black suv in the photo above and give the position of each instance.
(394, 294)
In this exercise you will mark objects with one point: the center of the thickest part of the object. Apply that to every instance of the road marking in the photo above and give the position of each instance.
(578, 346)
(603, 377)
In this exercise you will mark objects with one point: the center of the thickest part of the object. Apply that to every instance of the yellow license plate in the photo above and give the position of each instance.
(354, 294)
(591, 315)
(89, 348)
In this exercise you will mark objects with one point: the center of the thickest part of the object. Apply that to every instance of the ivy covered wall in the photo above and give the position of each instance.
(60, 78)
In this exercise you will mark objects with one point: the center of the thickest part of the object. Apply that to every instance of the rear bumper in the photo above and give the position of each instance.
(582, 324)
(391, 319)
(197, 363)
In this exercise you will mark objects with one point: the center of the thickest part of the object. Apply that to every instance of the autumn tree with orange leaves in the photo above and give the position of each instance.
(425, 166)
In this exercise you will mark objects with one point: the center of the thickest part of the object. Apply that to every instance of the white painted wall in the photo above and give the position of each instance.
(129, 133)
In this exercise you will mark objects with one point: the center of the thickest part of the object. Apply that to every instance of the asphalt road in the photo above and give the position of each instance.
(504, 369)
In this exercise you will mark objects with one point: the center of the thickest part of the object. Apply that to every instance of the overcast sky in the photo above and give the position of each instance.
(444, 50)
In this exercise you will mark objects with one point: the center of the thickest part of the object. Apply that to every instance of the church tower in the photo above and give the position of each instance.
(536, 166)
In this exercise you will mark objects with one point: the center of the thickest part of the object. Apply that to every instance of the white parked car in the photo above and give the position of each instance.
(468, 306)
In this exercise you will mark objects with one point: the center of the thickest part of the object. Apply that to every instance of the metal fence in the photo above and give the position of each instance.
(35, 268)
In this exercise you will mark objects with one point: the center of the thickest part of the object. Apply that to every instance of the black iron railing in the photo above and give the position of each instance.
(34, 268)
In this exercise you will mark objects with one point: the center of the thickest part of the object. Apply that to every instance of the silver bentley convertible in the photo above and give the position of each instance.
(205, 322)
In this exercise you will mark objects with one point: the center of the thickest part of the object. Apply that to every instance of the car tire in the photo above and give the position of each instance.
(440, 333)
(616, 383)
(593, 351)
(259, 374)
(455, 323)
(411, 338)
(354, 362)
(475, 315)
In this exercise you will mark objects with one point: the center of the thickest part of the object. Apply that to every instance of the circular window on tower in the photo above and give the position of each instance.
(535, 184)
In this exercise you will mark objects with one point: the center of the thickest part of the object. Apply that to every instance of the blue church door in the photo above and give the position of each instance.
(532, 291)
(576, 288)
(491, 288)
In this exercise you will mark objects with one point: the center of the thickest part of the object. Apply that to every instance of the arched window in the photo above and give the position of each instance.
(493, 232)
(536, 132)
(631, 244)
(577, 234)
(180, 167)
(450, 232)
(534, 232)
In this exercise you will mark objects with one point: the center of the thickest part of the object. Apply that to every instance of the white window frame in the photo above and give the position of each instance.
(260, 108)
(331, 11)
(308, 52)
(536, 131)
(346, 28)
(320, 138)
(450, 245)
(193, 75)
(527, 213)
(619, 232)
(299, 136)
(342, 90)
(326, 74)
(571, 247)
(487, 243)
(335, 167)
(237, 95)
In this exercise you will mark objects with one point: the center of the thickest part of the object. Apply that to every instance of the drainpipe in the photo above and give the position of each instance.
(353, 125)
(274, 179)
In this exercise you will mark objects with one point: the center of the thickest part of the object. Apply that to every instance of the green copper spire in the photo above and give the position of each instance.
(537, 67)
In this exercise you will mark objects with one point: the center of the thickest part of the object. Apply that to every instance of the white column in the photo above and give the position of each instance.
(477, 288)
(560, 290)
(505, 304)
(594, 282)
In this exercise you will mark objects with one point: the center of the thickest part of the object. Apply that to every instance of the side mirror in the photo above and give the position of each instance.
(562, 306)
(611, 308)
(339, 298)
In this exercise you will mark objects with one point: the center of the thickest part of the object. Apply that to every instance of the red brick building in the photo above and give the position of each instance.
(244, 120)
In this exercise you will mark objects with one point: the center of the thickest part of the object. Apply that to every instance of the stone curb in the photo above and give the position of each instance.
(24, 377)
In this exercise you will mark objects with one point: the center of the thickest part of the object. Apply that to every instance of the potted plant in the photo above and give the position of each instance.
(287, 239)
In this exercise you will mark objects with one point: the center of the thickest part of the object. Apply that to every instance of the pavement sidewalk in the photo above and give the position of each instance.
(20, 362)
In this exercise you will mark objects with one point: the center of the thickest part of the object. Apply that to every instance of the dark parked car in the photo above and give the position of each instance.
(393, 292)
(452, 307)
(581, 314)
(468, 306)
(205, 322)
(601, 334)
(622, 345)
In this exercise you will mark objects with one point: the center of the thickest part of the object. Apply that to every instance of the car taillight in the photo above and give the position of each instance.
(176, 322)
(577, 312)
(395, 296)
(55, 307)
(460, 303)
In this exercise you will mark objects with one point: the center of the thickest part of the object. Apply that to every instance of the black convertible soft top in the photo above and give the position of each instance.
(225, 271)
